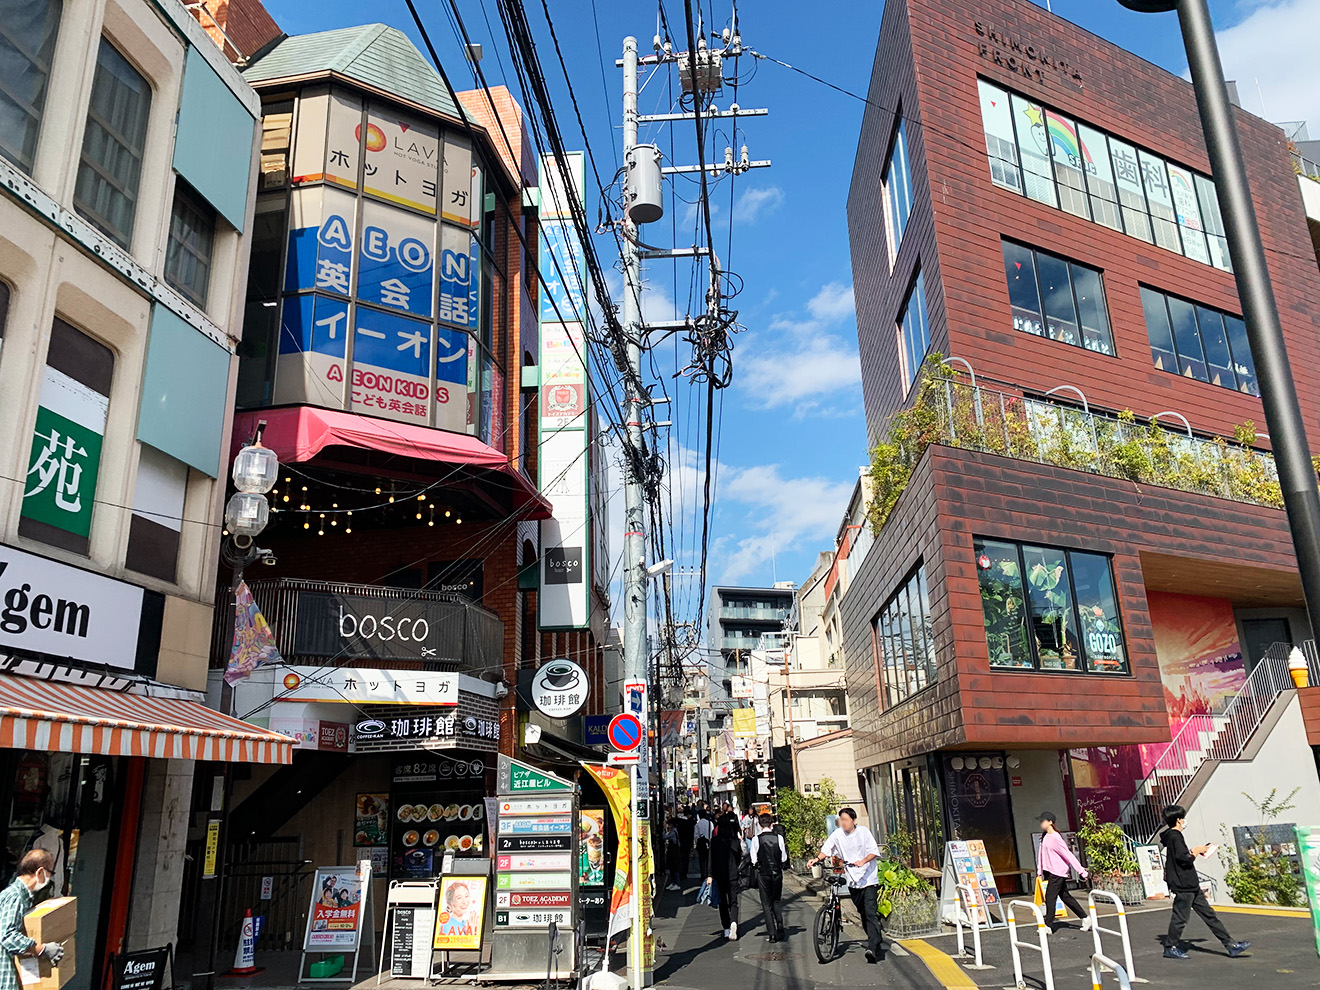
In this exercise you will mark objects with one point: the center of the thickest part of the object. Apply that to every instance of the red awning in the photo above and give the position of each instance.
(68, 718)
(299, 433)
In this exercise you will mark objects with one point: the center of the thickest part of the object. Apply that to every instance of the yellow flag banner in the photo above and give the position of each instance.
(645, 868)
(618, 792)
(744, 723)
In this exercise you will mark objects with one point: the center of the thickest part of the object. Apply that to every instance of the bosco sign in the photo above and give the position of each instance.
(363, 627)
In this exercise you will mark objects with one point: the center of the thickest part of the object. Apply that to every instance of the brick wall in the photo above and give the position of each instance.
(246, 23)
(1310, 702)
(931, 51)
(956, 495)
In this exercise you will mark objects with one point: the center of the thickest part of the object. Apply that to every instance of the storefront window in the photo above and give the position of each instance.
(1074, 618)
(1050, 296)
(1198, 342)
(903, 635)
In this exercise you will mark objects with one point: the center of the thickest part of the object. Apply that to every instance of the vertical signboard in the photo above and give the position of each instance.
(60, 488)
(565, 578)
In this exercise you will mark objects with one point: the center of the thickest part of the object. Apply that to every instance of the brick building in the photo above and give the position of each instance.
(1060, 587)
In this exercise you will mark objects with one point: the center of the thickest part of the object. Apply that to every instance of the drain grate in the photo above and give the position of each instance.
(774, 956)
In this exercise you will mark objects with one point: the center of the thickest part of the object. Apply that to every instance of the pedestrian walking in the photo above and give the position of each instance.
(673, 850)
(702, 832)
(748, 826)
(687, 823)
(726, 856)
(1053, 864)
(769, 857)
(35, 874)
(856, 846)
(1185, 885)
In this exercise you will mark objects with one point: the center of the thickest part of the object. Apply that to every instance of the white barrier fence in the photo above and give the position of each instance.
(1043, 947)
(972, 906)
(1101, 963)
(1121, 931)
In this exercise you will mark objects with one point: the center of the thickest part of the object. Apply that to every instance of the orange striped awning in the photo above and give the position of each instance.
(67, 718)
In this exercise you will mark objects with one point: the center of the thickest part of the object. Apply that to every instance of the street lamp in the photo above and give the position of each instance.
(1278, 393)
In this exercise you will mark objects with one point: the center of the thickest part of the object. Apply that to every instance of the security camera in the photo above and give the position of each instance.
(658, 568)
(501, 689)
(269, 560)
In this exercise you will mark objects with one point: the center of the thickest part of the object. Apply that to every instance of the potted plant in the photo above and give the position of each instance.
(1110, 860)
(908, 904)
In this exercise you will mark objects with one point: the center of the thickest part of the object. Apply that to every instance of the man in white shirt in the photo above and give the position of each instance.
(702, 833)
(856, 846)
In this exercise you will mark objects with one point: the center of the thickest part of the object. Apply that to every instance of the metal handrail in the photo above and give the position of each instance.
(1221, 736)
(1121, 931)
(1099, 963)
(972, 906)
(1015, 944)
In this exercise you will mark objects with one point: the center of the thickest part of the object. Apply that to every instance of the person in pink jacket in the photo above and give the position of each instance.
(1053, 864)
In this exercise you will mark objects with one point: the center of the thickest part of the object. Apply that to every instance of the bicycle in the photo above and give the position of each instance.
(829, 918)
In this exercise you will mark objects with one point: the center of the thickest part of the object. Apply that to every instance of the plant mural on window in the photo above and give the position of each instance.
(1000, 576)
(1068, 598)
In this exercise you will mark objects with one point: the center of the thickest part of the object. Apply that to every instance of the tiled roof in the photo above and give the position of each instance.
(377, 55)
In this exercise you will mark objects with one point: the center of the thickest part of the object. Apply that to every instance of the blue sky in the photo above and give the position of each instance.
(791, 434)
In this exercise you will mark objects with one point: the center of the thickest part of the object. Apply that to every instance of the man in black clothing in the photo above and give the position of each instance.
(1180, 874)
(769, 857)
(686, 827)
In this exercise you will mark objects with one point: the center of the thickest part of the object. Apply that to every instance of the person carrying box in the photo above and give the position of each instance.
(35, 873)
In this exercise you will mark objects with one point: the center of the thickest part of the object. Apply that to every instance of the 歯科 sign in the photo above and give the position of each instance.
(63, 611)
(559, 688)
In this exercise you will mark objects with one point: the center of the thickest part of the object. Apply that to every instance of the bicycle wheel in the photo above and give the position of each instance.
(826, 932)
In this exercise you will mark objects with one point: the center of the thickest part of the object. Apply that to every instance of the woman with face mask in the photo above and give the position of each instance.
(35, 873)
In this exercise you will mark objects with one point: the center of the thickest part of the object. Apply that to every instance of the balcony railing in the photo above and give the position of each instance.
(956, 414)
(753, 612)
(337, 624)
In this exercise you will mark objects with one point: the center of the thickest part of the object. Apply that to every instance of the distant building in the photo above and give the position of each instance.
(736, 619)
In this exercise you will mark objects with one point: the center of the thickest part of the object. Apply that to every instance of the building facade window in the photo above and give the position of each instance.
(27, 45)
(1198, 342)
(192, 238)
(65, 457)
(914, 330)
(1055, 298)
(1067, 164)
(898, 190)
(1049, 609)
(905, 640)
(111, 165)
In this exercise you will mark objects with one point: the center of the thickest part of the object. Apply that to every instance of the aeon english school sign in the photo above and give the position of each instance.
(366, 627)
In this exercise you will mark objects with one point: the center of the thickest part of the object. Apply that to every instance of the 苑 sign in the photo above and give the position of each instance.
(63, 611)
(60, 488)
(559, 688)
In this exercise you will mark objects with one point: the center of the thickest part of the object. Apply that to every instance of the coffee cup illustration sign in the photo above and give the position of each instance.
(559, 688)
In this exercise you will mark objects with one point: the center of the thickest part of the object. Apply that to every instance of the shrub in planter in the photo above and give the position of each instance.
(1109, 860)
(907, 903)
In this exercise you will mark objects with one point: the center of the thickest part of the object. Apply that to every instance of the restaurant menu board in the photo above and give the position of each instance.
(426, 824)
(967, 863)
(336, 916)
(1308, 848)
(410, 956)
(462, 917)
(371, 820)
(591, 847)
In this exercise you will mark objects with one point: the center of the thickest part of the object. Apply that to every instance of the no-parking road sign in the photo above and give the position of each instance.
(625, 736)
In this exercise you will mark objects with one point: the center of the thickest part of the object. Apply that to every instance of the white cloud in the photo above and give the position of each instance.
(757, 201)
(808, 363)
(688, 221)
(1273, 47)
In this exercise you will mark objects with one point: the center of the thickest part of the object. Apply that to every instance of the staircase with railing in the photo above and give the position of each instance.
(1222, 736)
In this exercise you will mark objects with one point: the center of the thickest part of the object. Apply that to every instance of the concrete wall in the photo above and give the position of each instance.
(1041, 790)
(833, 760)
(1284, 762)
(162, 835)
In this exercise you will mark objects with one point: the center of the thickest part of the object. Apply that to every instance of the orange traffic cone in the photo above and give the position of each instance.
(245, 956)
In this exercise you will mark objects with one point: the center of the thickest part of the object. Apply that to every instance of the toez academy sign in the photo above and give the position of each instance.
(366, 627)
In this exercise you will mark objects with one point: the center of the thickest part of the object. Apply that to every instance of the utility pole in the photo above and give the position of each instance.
(634, 540)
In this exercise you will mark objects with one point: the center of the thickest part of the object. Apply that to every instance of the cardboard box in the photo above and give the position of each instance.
(52, 920)
(39, 974)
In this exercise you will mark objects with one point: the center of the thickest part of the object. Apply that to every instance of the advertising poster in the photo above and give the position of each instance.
(371, 824)
(1152, 870)
(591, 847)
(396, 264)
(402, 160)
(462, 913)
(618, 792)
(336, 918)
(391, 366)
(1308, 845)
